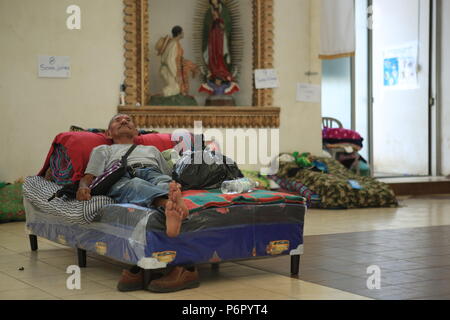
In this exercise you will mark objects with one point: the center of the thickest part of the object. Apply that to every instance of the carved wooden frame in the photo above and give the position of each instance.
(136, 28)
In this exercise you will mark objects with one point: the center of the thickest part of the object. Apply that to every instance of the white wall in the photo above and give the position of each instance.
(297, 30)
(445, 89)
(34, 110)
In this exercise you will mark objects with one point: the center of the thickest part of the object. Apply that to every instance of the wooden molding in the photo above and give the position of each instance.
(136, 53)
(263, 41)
(136, 28)
(211, 117)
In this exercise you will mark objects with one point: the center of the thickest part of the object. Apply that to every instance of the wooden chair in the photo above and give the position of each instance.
(331, 123)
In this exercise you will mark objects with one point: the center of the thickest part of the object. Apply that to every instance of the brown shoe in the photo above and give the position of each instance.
(130, 281)
(178, 278)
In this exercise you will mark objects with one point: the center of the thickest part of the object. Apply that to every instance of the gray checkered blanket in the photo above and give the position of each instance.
(38, 190)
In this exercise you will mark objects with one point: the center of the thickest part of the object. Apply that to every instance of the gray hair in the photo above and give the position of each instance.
(117, 115)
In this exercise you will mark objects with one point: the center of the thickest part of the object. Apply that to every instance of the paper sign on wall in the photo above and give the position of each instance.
(308, 92)
(266, 79)
(54, 67)
(400, 67)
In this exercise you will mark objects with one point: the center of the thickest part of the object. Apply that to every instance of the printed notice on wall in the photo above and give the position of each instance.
(266, 79)
(308, 92)
(400, 67)
(54, 67)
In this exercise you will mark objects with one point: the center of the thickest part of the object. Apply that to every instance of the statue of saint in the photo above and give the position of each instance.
(216, 40)
(175, 71)
(216, 51)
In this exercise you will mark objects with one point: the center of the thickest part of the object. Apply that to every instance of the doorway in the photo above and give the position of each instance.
(399, 48)
(384, 92)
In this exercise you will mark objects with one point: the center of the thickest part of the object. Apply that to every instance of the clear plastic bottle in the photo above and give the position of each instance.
(242, 185)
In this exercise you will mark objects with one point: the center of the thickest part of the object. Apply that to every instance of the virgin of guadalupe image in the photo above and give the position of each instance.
(216, 51)
(175, 71)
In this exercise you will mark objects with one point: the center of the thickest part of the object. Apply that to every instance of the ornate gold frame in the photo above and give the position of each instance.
(261, 114)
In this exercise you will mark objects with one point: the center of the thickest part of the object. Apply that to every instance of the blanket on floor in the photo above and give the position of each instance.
(312, 199)
(11, 203)
(339, 188)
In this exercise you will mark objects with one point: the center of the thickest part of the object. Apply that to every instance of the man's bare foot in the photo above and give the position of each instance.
(173, 219)
(177, 198)
(175, 209)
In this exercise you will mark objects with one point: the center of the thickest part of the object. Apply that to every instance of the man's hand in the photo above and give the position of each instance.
(84, 194)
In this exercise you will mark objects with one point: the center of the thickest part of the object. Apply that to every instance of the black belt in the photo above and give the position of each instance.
(132, 168)
(140, 166)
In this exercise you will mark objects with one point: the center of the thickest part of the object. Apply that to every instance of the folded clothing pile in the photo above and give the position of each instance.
(341, 138)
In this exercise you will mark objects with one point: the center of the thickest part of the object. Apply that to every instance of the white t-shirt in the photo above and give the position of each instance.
(103, 156)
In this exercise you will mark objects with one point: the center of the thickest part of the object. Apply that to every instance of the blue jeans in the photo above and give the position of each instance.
(147, 185)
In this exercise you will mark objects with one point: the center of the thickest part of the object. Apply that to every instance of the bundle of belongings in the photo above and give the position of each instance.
(11, 202)
(328, 184)
(344, 146)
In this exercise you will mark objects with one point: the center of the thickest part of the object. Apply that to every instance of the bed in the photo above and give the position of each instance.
(219, 228)
(246, 226)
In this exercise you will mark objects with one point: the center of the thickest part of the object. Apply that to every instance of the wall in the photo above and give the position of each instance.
(361, 75)
(34, 110)
(297, 32)
(445, 90)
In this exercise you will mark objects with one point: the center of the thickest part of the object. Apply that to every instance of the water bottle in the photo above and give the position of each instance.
(242, 185)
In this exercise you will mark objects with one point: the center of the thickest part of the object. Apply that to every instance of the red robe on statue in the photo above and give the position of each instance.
(217, 65)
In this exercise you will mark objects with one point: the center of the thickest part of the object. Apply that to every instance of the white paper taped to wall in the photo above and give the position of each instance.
(266, 79)
(308, 92)
(54, 67)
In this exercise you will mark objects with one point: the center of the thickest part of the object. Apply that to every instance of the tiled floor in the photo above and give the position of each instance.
(410, 244)
(44, 277)
(413, 263)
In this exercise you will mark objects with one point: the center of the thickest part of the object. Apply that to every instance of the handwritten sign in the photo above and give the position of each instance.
(266, 79)
(54, 67)
(308, 92)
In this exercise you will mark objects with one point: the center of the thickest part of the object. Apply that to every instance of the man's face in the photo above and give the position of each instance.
(121, 125)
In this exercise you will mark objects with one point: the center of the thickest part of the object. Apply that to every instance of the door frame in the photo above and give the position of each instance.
(434, 103)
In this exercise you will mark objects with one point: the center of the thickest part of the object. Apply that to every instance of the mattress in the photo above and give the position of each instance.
(136, 235)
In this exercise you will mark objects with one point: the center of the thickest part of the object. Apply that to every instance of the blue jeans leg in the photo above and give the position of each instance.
(154, 176)
(137, 191)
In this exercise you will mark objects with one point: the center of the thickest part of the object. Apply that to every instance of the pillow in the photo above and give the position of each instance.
(162, 141)
(78, 147)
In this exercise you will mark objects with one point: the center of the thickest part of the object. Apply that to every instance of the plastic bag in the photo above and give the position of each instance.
(205, 169)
